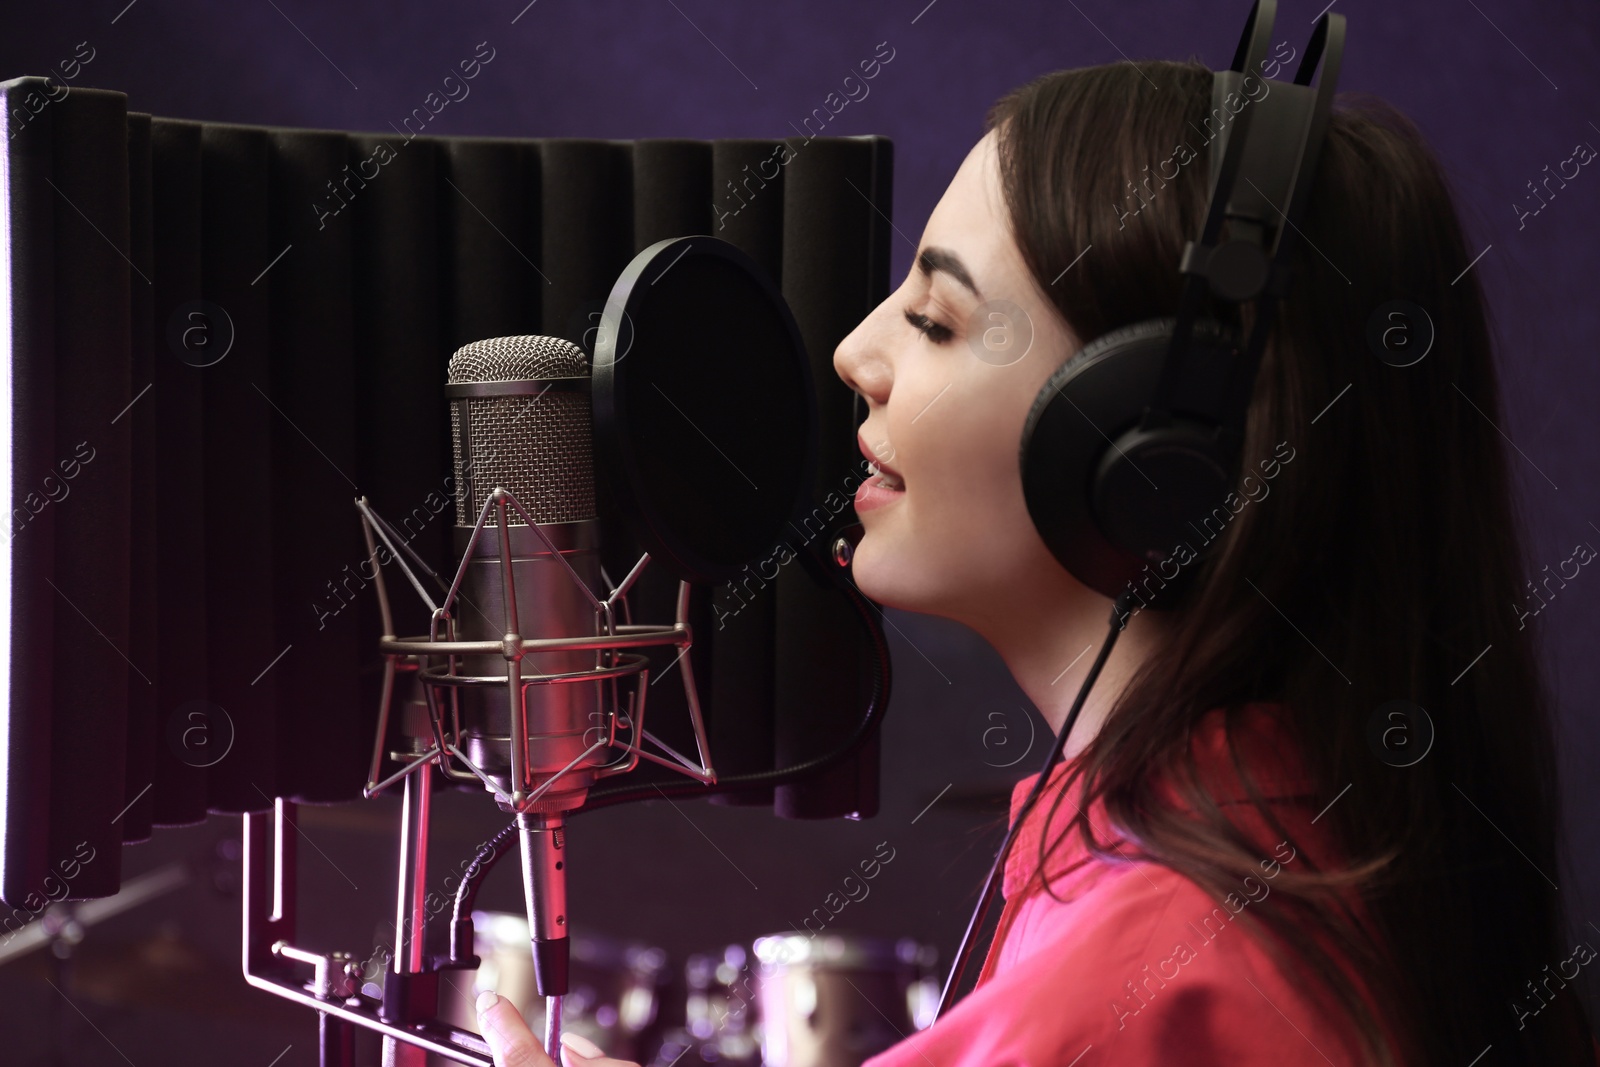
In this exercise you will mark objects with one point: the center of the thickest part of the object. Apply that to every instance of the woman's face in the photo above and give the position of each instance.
(946, 404)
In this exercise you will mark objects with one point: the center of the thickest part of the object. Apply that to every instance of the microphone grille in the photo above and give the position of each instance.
(517, 359)
(539, 446)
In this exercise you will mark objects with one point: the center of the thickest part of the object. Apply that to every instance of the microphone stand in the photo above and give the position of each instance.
(409, 1002)
(544, 883)
(410, 918)
(405, 1014)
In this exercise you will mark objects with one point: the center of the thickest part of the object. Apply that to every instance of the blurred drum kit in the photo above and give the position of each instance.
(787, 1000)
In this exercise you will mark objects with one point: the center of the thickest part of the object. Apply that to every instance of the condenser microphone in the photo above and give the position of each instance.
(520, 420)
(526, 681)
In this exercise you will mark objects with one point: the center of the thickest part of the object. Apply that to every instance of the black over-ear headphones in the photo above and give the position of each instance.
(1136, 440)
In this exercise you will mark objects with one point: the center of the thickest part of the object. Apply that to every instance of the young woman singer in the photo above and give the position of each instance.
(1309, 814)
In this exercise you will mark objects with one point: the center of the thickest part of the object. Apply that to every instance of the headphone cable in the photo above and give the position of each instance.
(1120, 613)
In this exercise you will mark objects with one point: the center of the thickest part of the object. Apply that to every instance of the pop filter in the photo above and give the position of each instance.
(705, 420)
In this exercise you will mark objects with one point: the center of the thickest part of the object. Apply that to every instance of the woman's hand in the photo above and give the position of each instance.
(514, 1045)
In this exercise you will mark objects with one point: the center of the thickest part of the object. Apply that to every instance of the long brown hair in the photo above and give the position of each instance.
(1383, 567)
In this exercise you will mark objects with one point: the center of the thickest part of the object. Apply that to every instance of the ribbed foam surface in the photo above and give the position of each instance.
(537, 446)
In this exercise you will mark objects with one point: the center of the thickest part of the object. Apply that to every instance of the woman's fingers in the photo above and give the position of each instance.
(512, 1043)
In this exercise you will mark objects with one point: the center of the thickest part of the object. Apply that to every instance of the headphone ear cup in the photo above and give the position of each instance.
(1156, 487)
(1109, 499)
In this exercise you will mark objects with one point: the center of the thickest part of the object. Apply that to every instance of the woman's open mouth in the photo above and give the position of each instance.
(880, 488)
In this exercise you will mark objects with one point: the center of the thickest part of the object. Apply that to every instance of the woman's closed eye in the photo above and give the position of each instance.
(935, 332)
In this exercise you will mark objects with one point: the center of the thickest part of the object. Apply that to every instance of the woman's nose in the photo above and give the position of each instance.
(862, 359)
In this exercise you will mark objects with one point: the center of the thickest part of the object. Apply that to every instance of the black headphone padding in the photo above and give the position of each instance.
(1108, 494)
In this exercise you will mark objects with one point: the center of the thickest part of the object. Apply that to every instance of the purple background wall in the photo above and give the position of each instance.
(1500, 90)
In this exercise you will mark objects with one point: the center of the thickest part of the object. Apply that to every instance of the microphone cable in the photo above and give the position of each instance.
(1120, 613)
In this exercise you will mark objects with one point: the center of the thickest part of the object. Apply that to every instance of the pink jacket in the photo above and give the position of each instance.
(1140, 966)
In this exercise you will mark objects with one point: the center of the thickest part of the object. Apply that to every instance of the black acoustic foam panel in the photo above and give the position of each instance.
(246, 328)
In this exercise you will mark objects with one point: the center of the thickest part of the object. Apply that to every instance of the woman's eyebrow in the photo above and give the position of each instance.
(942, 259)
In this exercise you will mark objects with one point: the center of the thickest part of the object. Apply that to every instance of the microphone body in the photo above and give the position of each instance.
(520, 421)
(562, 720)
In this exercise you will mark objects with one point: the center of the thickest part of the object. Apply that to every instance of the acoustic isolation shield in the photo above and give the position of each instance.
(218, 336)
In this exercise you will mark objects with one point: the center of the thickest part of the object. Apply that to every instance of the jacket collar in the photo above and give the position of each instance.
(1264, 746)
